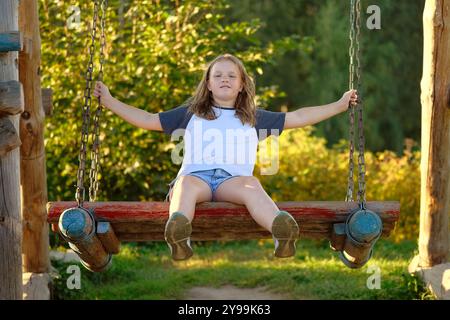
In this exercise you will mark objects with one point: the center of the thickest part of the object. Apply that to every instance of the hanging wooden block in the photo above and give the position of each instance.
(337, 240)
(77, 225)
(107, 237)
(11, 98)
(9, 139)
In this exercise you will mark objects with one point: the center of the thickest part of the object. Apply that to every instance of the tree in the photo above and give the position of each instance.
(155, 54)
(391, 60)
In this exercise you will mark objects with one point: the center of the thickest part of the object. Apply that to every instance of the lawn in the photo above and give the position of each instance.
(146, 271)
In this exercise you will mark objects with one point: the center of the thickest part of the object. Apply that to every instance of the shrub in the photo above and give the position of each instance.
(308, 170)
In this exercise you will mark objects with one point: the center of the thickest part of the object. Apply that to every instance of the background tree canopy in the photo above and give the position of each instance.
(391, 63)
(156, 52)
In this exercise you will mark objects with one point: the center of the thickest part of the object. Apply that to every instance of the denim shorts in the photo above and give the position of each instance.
(213, 177)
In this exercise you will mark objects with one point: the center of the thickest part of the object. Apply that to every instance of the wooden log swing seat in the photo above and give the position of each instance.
(145, 221)
(114, 222)
(94, 229)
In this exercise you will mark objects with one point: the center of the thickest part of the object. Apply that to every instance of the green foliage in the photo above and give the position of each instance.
(308, 170)
(415, 288)
(155, 55)
(60, 290)
(391, 61)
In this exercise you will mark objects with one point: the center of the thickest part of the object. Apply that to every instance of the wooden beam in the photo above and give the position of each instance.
(11, 41)
(145, 221)
(47, 101)
(11, 98)
(9, 139)
(35, 247)
(435, 161)
(10, 217)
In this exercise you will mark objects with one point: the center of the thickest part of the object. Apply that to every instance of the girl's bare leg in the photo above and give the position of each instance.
(247, 190)
(186, 193)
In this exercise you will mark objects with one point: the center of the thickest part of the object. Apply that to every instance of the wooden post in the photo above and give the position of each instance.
(435, 162)
(10, 220)
(33, 172)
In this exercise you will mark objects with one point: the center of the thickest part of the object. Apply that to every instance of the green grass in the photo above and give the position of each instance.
(146, 271)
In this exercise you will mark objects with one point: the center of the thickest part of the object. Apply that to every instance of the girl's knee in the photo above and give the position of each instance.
(191, 182)
(195, 188)
(251, 184)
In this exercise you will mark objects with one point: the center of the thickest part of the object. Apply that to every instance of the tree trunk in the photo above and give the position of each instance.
(10, 220)
(32, 151)
(435, 162)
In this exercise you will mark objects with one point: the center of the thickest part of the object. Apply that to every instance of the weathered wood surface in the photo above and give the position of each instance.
(435, 161)
(78, 226)
(10, 219)
(9, 138)
(10, 41)
(32, 151)
(11, 98)
(92, 254)
(145, 221)
(107, 237)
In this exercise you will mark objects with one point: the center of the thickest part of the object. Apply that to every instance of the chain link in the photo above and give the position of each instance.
(95, 152)
(86, 109)
(355, 81)
(361, 161)
(80, 191)
(351, 85)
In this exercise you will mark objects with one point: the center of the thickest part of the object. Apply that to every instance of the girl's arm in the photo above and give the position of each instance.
(137, 117)
(311, 115)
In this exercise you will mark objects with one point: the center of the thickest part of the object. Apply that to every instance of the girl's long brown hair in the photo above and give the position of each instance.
(202, 101)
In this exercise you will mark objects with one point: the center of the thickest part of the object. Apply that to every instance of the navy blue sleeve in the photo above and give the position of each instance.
(268, 123)
(176, 118)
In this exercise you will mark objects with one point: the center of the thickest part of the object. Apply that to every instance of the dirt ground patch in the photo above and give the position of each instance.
(230, 292)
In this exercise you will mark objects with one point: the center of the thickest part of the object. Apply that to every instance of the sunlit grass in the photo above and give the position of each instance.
(146, 271)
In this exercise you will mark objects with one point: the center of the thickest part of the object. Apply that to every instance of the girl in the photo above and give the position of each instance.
(222, 109)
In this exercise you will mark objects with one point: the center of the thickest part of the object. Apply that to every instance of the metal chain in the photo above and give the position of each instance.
(95, 154)
(361, 162)
(351, 85)
(355, 76)
(80, 191)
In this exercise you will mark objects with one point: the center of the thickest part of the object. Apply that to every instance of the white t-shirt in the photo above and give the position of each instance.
(220, 143)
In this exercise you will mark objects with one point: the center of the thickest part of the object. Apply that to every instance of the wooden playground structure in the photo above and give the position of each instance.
(26, 214)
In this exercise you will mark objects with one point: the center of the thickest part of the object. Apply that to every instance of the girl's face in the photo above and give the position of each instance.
(225, 82)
